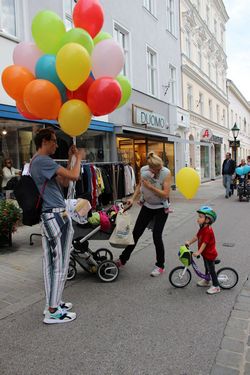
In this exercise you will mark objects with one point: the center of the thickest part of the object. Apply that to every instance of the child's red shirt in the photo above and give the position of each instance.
(206, 235)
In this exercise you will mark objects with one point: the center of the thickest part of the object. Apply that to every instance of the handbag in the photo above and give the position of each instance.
(122, 235)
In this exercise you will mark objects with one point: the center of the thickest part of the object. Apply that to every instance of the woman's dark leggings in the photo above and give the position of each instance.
(210, 268)
(145, 216)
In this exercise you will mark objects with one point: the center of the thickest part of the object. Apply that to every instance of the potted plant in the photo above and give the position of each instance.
(10, 214)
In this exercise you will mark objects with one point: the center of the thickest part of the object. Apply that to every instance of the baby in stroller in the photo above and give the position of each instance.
(100, 262)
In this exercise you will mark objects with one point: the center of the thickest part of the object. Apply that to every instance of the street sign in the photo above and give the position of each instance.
(231, 143)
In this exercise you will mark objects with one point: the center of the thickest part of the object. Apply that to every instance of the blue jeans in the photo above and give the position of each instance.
(227, 180)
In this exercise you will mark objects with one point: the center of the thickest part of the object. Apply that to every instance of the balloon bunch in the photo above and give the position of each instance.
(68, 76)
(241, 171)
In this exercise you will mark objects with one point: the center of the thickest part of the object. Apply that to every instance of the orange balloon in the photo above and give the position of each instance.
(14, 80)
(42, 99)
(21, 107)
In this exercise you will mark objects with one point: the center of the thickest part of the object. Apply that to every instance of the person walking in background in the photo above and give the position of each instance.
(155, 183)
(56, 225)
(8, 172)
(228, 169)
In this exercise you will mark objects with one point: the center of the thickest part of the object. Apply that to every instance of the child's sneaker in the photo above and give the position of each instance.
(157, 271)
(59, 316)
(203, 283)
(64, 305)
(213, 290)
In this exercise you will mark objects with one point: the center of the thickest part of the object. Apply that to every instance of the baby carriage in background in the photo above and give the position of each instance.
(243, 188)
(100, 262)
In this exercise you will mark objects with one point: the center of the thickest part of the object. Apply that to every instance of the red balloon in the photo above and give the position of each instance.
(89, 15)
(82, 92)
(104, 96)
(24, 112)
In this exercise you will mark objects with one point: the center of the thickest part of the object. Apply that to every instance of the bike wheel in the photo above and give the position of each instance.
(102, 254)
(71, 272)
(107, 271)
(178, 279)
(227, 277)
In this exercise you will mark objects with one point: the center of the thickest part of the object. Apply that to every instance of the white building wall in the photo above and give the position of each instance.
(239, 113)
(204, 75)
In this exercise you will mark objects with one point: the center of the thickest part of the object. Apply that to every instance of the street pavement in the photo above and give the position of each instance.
(137, 325)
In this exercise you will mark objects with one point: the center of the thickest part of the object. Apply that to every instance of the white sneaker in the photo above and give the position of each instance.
(203, 282)
(59, 316)
(64, 305)
(213, 290)
(157, 271)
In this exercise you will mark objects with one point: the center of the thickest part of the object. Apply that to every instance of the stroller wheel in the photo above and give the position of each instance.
(102, 254)
(71, 272)
(72, 262)
(107, 271)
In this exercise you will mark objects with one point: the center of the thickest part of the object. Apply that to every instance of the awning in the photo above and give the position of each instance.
(9, 112)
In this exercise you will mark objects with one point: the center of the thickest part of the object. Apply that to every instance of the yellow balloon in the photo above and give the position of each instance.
(74, 117)
(73, 65)
(188, 182)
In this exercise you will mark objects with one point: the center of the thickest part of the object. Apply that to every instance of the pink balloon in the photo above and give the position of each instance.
(107, 59)
(26, 54)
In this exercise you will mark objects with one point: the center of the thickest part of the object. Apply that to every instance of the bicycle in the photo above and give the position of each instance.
(181, 276)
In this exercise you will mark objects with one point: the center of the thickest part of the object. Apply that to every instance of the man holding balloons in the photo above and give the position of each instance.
(56, 225)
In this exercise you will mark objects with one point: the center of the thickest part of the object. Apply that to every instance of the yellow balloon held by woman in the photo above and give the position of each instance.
(74, 117)
(73, 65)
(188, 182)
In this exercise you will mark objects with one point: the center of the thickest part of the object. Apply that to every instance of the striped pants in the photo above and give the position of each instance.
(57, 234)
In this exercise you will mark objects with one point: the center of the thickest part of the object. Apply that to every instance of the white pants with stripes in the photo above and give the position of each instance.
(57, 234)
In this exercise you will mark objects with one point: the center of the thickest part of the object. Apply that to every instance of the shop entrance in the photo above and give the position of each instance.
(135, 150)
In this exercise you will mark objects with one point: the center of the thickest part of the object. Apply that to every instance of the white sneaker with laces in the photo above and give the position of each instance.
(157, 271)
(213, 290)
(59, 316)
(64, 305)
(203, 282)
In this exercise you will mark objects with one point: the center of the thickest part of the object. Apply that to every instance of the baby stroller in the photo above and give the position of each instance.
(99, 262)
(243, 188)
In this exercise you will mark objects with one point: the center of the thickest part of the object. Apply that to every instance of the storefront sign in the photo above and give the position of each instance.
(149, 119)
(216, 139)
(206, 135)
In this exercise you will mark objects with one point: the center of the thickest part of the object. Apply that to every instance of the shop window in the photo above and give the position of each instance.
(205, 170)
(96, 144)
(217, 150)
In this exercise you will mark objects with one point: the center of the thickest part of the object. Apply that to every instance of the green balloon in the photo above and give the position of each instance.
(47, 31)
(126, 89)
(79, 36)
(102, 35)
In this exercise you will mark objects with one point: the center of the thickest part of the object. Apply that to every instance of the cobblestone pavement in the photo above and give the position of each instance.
(21, 281)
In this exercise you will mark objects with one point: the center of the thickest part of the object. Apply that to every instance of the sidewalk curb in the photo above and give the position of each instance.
(233, 357)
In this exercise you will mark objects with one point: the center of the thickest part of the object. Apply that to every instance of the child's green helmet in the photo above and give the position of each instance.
(208, 212)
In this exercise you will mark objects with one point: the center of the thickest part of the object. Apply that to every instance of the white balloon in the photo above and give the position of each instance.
(107, 59)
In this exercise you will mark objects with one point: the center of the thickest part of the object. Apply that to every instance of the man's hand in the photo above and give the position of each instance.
(196, 254)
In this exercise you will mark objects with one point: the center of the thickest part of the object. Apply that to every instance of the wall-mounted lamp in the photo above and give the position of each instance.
(4, 131)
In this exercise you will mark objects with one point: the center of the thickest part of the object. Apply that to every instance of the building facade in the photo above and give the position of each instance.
(239, 114)
(204, 66)
(152, 119)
